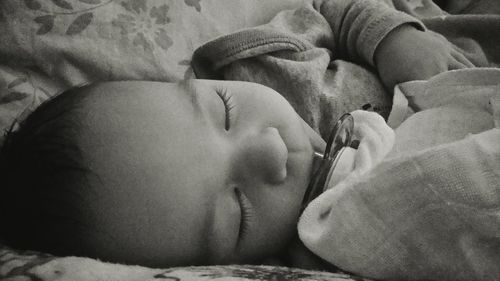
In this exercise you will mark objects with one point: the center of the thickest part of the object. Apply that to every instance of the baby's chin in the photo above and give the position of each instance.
(297, 255)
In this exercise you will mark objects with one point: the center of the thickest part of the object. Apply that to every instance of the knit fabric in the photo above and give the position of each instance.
(307, 54)
(430, 209)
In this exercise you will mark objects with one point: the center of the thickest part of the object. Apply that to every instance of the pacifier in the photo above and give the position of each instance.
(324, 172)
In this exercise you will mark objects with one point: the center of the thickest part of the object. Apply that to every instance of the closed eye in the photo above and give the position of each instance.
(228, 106)
(247, 214)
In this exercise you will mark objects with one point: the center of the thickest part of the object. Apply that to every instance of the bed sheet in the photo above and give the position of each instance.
(33, 266)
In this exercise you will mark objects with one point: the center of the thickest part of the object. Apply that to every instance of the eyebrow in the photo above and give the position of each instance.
(192, 91)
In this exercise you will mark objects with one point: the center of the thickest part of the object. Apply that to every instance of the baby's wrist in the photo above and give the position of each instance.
(387, 45)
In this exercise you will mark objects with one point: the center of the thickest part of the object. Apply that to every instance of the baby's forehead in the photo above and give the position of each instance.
(126, 115)
(133, 94)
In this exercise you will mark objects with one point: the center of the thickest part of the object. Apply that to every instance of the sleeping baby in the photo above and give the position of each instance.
(214, 172)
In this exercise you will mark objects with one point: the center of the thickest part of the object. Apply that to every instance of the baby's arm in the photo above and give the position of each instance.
(396, 44)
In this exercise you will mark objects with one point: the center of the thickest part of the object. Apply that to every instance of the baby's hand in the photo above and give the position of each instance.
(407, 54)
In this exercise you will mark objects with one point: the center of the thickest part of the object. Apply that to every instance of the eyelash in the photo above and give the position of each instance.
(246, 214)
(228, 105)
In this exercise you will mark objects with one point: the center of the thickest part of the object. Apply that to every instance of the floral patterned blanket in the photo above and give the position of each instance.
(33, 266)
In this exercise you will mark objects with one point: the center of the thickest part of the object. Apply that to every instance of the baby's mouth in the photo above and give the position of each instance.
(318, 173)
(324, 164)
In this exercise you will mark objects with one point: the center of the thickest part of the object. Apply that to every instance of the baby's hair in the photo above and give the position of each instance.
(42, 173)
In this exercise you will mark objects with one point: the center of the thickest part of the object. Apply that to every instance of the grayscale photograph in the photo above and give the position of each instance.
(192, 140)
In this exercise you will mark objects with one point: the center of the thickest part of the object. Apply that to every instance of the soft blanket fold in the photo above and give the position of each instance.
(430, 209)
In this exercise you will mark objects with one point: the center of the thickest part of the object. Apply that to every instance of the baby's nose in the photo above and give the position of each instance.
(264, 156)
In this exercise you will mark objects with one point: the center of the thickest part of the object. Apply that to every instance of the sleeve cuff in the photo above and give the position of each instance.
(378, 30)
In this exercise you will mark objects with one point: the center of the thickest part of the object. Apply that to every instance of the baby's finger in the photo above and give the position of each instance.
(455, 64)
(461, 58)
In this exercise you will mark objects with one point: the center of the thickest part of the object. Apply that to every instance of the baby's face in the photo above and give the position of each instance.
(198, 172)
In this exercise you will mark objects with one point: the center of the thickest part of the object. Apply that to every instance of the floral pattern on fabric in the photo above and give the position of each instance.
(189, 73)
(144, 25)
(194, 3)
(17, 86)
(141, 23)
(48, 11)
(34, 266)
(20, 93)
